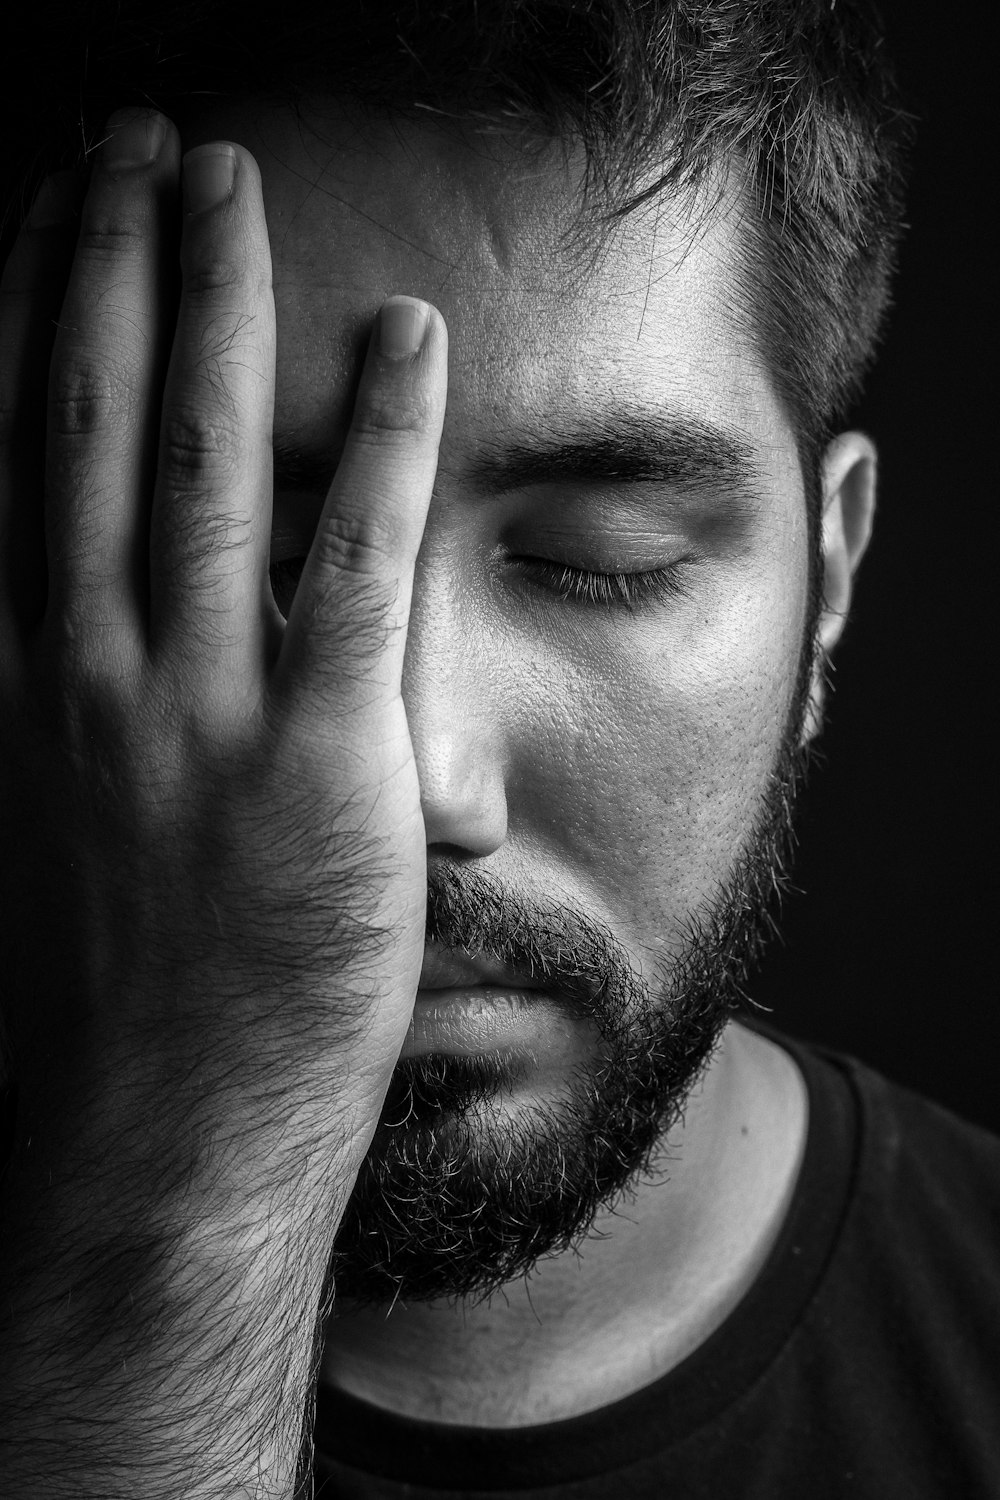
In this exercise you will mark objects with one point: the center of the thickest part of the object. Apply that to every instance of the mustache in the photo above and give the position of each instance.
(554, 942)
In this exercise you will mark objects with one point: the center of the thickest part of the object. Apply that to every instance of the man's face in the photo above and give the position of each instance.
(593, 771)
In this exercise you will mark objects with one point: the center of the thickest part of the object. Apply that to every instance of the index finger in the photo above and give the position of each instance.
(346, 632)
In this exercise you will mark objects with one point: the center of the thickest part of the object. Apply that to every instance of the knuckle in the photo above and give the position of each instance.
(210, 275)
(214, 276)
(362, 545)
(108, 237)
(390, 418)
(196, 444)
(86, 395)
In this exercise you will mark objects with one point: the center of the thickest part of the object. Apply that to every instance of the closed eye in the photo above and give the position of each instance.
(608, 590)
(579, 585)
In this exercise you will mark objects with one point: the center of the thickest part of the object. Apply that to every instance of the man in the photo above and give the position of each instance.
(413, 626)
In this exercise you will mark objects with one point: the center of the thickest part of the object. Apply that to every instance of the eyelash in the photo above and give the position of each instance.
(601, 590)
(608, 590)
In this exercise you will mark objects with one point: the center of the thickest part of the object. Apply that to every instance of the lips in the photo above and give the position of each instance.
(448, 968)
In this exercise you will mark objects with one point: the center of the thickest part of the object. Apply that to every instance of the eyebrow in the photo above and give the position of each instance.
(620, 444)
(626, 444)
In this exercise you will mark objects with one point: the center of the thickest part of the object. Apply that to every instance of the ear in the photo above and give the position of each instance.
(849, 480)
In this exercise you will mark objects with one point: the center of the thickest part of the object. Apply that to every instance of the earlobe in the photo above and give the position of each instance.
(849, 483)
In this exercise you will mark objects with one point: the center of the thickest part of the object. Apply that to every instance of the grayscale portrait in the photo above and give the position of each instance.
(435, 486)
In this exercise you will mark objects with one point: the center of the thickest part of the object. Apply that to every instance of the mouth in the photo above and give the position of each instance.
(451, 968)
(471, 1018)
(470, 1003)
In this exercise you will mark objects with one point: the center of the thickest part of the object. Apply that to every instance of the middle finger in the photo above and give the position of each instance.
(211, 519)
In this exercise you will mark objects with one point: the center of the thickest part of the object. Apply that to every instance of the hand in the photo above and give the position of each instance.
(213, 858)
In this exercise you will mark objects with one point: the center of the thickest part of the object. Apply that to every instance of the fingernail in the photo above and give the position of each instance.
(402, 323)
(136, 140)
(208, 176)
(58, 201)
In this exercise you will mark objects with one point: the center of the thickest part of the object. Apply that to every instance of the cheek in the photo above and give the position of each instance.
(643, 755)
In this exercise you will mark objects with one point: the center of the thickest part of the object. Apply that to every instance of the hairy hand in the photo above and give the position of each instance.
(212, 852)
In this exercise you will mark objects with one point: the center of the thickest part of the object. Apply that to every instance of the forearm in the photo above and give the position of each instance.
(161, 1341)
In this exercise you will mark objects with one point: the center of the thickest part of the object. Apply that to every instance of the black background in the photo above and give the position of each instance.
(889, 954)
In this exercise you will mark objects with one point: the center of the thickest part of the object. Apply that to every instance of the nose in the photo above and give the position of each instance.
(452, 706)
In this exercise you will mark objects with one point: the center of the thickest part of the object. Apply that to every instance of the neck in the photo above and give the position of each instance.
(650, 1284)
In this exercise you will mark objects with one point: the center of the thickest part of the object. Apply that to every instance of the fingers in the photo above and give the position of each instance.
(31, 293)
(158, 444)
(345, 639)
(105, 381)
(211, 516)
(159, 415)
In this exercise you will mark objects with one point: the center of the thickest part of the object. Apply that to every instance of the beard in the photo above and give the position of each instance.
(458, 1195)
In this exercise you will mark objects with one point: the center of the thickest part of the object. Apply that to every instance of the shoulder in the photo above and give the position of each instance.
(926, 1212)
(897, 1352)
(908, 1148)
(915, 1240)
(925, 1182)
(934, 1168)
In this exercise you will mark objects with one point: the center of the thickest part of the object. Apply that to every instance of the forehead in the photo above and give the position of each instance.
(545, 324)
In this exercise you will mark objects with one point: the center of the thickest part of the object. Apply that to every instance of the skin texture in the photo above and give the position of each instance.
(615, 761)
(204, 1055)
(218, 813)
(683, 710)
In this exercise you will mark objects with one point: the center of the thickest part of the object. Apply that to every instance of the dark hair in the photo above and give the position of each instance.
(797, 94)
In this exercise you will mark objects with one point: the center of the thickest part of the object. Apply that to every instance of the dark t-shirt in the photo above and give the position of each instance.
(864, 1361)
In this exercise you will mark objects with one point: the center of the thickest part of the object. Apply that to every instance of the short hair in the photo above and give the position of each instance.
(797, 94)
